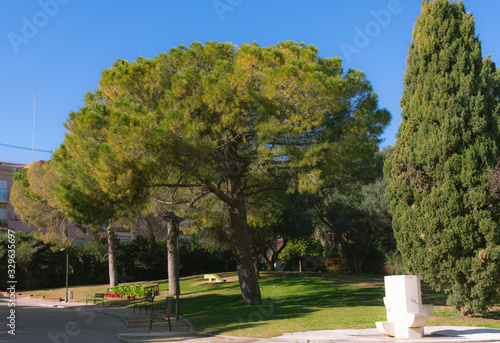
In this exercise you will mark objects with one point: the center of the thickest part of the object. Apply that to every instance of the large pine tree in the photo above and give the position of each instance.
(445, 220)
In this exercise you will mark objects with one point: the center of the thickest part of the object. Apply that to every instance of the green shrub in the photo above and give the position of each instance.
(134, 289)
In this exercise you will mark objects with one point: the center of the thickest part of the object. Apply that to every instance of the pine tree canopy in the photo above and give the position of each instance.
(221, 122)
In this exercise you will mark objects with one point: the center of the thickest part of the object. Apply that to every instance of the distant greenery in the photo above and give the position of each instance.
(37, 265)
(42, 265)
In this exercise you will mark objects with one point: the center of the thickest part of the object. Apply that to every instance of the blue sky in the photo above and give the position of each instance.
(57, 49)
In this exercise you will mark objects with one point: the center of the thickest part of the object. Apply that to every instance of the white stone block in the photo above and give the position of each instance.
(406, 316)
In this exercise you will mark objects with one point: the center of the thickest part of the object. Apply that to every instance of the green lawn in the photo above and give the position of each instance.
(292, 302)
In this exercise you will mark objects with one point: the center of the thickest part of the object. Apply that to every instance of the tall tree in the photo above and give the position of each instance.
(230, 122)
(444, 217)
(33, 198)
(84, 158)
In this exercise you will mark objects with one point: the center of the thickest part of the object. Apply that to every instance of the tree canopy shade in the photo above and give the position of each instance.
(229, 122)
(445, 218)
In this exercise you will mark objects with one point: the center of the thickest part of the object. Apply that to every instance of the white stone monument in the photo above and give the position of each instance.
(406, 316)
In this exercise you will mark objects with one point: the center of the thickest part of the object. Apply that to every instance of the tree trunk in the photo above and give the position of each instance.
(249, 284)
(256, 263)
(172, 253)
(65, 233)
(357, 261)
(269, 264)
(113, 273)
(276, 254)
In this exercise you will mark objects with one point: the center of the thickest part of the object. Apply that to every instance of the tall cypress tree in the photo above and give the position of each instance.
(445, 220)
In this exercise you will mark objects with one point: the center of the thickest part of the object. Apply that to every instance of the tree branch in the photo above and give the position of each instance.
(221, 195)
(177, 185)
(198, 198)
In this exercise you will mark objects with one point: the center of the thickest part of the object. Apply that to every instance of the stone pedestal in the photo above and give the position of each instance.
(406, 316)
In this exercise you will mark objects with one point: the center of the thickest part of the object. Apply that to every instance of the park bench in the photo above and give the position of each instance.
(144, 303)
(155, 288)
(213, 277)
(161, 315)
(98, 297)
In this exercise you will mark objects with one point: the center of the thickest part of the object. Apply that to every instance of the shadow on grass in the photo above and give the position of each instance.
(218, 313)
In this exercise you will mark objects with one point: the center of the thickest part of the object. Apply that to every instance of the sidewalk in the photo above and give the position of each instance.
(136, 322)
(137, 331)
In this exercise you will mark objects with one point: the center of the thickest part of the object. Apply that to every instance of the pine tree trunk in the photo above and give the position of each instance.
(256, 262)
(249, 284)
(172, 253)
(113, 272)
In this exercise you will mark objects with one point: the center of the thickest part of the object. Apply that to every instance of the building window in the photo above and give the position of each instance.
(3, 190)
(3, 217)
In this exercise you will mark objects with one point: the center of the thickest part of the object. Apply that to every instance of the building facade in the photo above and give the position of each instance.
(9, 220)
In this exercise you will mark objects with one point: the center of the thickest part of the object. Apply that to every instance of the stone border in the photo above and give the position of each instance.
(21, 295)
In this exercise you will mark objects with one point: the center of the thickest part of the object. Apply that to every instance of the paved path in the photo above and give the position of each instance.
(53, 324)
(69, 323)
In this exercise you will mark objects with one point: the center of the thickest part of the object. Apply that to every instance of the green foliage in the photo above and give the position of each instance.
(298, 249)
(143, 259)
(33, 198)
(90, 263)
(214, 238)
(359, 223)
(394, 263)
(37, 265)
(445, 218)
(194, 259)
(42, 265)
(220, 122)
(135, 289)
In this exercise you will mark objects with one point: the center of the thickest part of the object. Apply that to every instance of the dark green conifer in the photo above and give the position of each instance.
(445, 219)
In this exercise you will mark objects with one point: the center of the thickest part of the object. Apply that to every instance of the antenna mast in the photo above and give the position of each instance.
(33, 137)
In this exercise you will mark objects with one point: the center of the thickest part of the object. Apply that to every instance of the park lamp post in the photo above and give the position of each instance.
(65, 250)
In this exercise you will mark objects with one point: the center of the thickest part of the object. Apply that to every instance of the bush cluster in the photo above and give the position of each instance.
(130, 290)
(41, 265)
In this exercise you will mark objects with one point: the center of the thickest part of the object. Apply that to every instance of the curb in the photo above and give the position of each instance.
(190, 325)
(111, 315)
(21, 295)
(129, 338)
